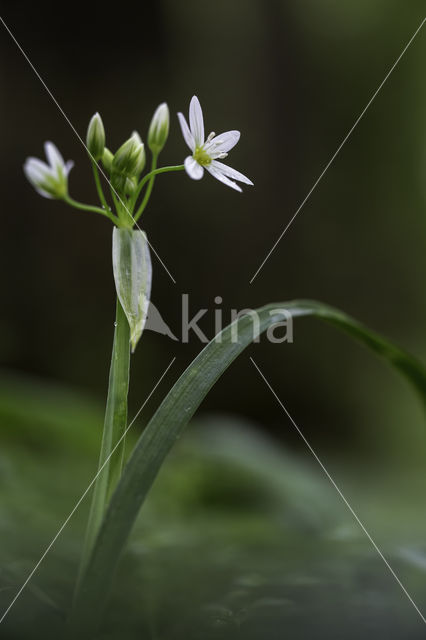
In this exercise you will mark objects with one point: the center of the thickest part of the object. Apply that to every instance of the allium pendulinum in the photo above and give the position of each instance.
(123, 201)
(112, 515)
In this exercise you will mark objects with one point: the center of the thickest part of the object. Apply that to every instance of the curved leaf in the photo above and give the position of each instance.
(173, 415)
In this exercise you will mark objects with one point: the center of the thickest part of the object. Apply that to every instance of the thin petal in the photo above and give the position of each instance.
(217, 173)
(43, 193)
(193, 169)
(69, 165)
(222, 143)
(196, 121)
(231, 173)
(53, 156)
(187, 135)
(36, 170)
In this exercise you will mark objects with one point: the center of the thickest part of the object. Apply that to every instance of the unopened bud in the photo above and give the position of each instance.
(135, 135)
(139, 152)
(107, 159)
(123, 161)
(130, 186)
(95, 139)
(159, 128)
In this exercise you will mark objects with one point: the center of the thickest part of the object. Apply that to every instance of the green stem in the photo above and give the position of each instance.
(125, 218)
(151, 177)
(99, 186)
(89, 207)
(109, 470)
(116, 199)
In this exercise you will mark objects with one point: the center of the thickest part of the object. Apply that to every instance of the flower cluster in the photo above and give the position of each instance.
(123, 169)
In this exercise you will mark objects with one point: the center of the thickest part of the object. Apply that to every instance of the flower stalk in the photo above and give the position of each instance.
(110, 466)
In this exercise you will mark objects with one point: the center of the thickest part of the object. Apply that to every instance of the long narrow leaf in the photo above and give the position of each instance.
(172, 417)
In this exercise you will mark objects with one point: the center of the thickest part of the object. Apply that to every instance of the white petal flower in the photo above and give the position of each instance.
(207, 152)
(49, 180)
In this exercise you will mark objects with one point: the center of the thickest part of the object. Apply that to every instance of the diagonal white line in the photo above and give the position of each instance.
(299, 431)
(339, 148)
(101, 171)
(66, 521)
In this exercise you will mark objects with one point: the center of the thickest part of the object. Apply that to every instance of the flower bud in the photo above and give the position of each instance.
(136, 137)
(123, 161)
(130, 158)
(49, 180)
(159, 129)
(130, 186)
(95, 139)
(140, 153)
(107, 159)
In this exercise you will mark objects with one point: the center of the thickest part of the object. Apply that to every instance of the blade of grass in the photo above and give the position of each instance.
(171, 418)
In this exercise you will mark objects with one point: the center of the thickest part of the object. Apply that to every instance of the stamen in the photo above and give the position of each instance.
(222, 155)
(210, 136)
(214, 143)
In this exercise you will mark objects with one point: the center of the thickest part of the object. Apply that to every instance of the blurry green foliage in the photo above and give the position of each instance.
(238, 539)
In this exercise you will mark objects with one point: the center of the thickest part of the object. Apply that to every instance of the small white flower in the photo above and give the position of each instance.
(49, 180)
(206, 153)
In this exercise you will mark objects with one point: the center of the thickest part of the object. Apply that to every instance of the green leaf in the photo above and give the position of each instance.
(173, 415)
(132, 274)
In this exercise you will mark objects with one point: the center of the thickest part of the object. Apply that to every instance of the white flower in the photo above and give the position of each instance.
(207, 153)
(49, 180)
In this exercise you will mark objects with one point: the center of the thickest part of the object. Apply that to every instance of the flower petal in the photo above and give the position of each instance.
(231, 173)
(193, 169)
(68, 166)
(54, 158)
(187, 135)
(42, 192)
(222, 143)
(217, 173)
(196, 121)
(36, 170)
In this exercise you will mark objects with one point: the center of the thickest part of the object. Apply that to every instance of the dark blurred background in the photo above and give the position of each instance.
(293, 77)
